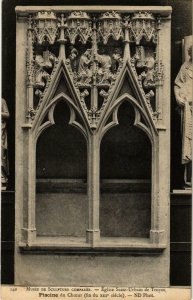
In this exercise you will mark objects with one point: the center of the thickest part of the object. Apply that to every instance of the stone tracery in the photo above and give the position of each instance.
(91, 46)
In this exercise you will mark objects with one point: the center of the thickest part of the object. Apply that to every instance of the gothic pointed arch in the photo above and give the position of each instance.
(49, 111)
(59, 85)
(126, 170)
(128, 87)
(61, 170)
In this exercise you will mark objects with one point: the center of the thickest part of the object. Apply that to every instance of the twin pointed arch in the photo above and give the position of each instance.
(126, 88)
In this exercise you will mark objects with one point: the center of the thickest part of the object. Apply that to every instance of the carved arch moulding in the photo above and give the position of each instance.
(94, 59)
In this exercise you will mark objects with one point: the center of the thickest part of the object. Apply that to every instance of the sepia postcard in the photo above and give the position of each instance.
(96, 149)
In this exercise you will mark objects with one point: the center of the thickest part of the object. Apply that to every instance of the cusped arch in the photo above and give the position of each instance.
(50, 111)
(61, 144)
(149, 130)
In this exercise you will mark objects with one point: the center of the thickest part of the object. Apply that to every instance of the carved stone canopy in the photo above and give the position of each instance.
(96, 48)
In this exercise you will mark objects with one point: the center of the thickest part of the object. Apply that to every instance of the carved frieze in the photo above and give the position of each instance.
(94, 47)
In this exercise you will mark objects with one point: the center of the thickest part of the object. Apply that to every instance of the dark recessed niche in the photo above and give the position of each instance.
(61, 200)
(125, 149)
(61, 149)
(125, 163)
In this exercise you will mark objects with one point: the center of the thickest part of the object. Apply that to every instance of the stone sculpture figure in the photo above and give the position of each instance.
(148, 76)
(4, 148)
(117, 59)
(104, 62)
(184, 93)
(84, 67)
(149, 80)
(72, 58)
(42, 64)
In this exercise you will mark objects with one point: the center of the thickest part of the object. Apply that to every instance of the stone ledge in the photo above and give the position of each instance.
(50, 185)
(161, 10)
(183, 192)
(181, 198)
(113, 246)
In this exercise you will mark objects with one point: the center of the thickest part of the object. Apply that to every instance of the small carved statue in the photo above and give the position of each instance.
(84, 67)
(4, 148)
(139, 56)
(184, 93)
(72, 58)
(147, 77)
(104, 62)
(149, 81)
(117, 59)
(42, 64)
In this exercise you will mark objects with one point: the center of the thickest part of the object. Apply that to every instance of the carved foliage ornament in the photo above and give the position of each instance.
(29, 53)
(149, 72)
